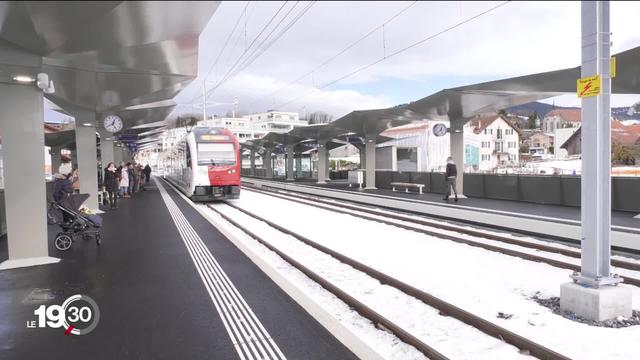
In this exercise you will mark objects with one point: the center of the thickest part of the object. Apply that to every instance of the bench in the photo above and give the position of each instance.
(406, 186)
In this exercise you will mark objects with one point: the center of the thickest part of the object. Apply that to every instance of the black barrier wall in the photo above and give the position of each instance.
(541, 189)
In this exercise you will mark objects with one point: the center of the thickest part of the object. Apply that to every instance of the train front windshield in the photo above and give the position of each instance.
(216, 154)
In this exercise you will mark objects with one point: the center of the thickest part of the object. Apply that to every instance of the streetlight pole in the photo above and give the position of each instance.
(204, 100)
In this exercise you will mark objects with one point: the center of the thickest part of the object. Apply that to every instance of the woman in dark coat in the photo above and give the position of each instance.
(111, 184)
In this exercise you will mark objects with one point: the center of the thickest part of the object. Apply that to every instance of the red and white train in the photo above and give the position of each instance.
(205, 164)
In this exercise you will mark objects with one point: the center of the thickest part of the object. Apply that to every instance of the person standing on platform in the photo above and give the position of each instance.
(129, 169)
(450, 177)
(62, 185)
(111, 184)
(124, 182)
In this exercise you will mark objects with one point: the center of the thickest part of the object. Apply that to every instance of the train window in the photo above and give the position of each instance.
(216, 154)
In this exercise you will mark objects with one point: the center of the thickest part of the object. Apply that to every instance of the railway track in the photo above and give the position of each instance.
(429, 227)
(525, 345)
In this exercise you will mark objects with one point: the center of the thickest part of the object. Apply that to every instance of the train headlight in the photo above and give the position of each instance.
(229, 172)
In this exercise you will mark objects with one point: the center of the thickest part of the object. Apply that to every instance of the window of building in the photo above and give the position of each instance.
(292, 117)
(499, 133)
(486, 144)
(486, 157)
(499, 146)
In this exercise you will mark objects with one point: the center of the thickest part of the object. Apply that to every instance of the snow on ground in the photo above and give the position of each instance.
(477, 280)
(445, 334)
(386, 344)
(523, 249)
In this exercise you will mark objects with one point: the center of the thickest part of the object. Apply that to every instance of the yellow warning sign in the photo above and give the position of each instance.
(612, 72)
(589, 86)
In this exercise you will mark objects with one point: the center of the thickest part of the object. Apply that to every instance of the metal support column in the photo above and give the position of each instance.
(118, 157)
(106, 149)
(299, 166)
(252, 163)
(370, 154)
(266, 164)
(363, 155)
(290, 156)
(22, 132)
(322, 161)
(596, 149)
(456, 148)
(87, 158)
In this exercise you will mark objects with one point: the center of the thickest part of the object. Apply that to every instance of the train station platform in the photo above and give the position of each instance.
(153, 299)
(562, 222)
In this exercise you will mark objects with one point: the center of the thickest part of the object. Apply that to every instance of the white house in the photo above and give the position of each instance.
(255, 126)
(414, 148)
(499, 141)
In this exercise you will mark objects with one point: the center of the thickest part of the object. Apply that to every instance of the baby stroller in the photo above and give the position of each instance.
(72, 221)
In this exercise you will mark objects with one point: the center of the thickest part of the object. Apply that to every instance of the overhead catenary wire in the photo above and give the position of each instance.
(243, 13)
(240, 58)
(262, 47)
(430, 37)
(347, 48)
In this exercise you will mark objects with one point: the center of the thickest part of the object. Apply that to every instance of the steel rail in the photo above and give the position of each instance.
(558, 263)
(489, 328)
(358, 306)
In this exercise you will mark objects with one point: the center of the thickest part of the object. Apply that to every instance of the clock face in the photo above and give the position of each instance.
(113, 123)
(439, 129)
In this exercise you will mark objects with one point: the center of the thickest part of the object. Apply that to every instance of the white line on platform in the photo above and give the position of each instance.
(18, 263)
(250, 339)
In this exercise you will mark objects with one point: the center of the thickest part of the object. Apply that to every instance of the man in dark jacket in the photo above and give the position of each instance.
(147, 174)
(450, 177)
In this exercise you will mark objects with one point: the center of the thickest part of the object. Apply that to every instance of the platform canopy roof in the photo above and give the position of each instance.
(113, 57)
(65, 139)
(318, 131)
(373, 122)
(461, 103)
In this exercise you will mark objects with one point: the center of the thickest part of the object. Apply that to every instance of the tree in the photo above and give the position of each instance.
(533, 119)
(550, 150)
(502, 112)
(524, 149)
(622, 154)
(319, 117)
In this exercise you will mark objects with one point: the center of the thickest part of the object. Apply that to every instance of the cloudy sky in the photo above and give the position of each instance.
(516, 38)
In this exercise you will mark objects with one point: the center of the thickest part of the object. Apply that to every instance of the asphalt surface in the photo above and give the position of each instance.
(152, 301)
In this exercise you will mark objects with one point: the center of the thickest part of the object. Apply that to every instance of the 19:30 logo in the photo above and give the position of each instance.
(78, 315)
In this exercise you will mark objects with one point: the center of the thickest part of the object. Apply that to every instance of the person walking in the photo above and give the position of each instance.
(124, 182)
(147, 173)
(111, 184)
(450, 177)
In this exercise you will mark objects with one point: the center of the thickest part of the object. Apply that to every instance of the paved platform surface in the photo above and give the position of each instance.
(153, 302)
(618, 218)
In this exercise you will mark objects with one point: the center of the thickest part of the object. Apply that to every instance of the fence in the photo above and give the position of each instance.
(541, 189)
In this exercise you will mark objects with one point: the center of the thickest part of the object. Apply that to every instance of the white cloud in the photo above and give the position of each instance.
(516, 39)
(251, 90)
